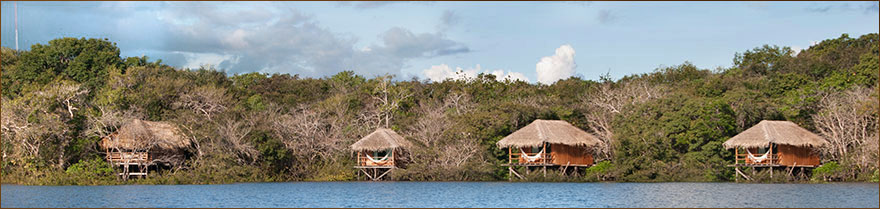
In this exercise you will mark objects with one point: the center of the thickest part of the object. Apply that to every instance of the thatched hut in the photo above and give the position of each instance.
(549, 143)
(377, 153)
(378, 148)
(776, 143)
(146, 142)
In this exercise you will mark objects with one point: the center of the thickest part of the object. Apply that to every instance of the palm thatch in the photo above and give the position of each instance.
(777, 132)
(381, 139)
(550, 131)
(140, 135)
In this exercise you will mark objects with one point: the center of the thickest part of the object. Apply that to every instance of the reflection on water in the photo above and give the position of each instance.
(446, 194)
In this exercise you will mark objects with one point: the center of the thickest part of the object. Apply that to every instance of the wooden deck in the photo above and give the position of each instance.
(125, 160)
(542, 164)
(765, 165)
(375, 166)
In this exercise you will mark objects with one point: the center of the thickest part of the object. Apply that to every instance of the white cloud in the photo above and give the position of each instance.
(442, 72)
(559, 66)
(196, 60)
(796, 50)
(272, 37)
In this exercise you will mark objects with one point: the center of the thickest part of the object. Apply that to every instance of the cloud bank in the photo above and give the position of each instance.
(558, 66)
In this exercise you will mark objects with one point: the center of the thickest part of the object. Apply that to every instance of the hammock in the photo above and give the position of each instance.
(531, 158)
(758, 159)
(379, 160)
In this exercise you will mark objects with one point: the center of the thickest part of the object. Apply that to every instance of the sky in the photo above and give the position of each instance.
(539, 42)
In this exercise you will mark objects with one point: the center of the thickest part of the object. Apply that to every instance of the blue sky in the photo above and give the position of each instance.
(534, 41)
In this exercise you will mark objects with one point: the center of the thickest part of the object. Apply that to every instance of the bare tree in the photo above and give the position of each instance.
(611, 99)
(387, 105)
(235, 131)
(33, 119)
(306, 133)
(206, 100)
(848, 120)
(443, 146)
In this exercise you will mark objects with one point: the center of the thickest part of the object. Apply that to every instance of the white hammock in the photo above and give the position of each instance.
(379, 160)
(531, 158)
(758, 159)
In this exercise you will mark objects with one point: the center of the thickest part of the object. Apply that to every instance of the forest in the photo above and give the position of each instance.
(59, 99)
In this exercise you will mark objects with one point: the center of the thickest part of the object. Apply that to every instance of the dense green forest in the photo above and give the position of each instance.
(60, 98)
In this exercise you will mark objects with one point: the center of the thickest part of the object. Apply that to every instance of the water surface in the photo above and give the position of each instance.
(446, 194)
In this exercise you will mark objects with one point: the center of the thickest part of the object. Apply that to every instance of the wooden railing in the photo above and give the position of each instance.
(517, 158)
(364, 161)
(129, 157)
(743, 159)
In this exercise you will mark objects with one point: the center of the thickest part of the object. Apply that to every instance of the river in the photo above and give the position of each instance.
(446, 194)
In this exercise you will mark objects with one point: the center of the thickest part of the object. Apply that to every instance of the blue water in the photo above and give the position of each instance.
(446, 194)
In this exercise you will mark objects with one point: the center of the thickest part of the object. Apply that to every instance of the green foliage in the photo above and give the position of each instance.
(826, 172)
(293, 128)
(599, 171)
(675, 138)
(82, 60)
(876, 177)
(89, 171)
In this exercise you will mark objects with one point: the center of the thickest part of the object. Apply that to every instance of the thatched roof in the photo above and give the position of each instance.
(381, 139)
(139, 134)
(551, 131)
(778, 132)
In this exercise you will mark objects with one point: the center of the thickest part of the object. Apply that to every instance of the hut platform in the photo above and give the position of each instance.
(770, 165)
(542, 164)
(377, 166)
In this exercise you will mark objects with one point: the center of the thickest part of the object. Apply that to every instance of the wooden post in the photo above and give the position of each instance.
(545, 170)
(735, 156)
(509, 156)
(509, 173)
(544, 154)
(544, 158)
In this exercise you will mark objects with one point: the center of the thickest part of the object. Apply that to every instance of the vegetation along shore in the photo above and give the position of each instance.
(60, 99)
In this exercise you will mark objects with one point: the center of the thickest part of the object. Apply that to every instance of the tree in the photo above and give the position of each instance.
(609, 99)
(41, 119)
(848, 120)
(82, 60)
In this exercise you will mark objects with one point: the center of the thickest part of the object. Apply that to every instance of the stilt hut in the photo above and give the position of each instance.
(773, 144)
(140, 144)
(548, 143)
(378, 153)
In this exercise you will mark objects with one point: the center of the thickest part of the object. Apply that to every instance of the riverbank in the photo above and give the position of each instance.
(58, 178)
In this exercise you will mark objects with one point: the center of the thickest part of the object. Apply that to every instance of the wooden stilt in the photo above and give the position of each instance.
(771, 172)
(383, 174)
(517, 174)
(509, 173)
(368, 174)
(744, 175)
(566, 168)
(545, 171)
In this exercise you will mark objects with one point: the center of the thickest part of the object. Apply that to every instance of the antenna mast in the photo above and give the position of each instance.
(16, 25)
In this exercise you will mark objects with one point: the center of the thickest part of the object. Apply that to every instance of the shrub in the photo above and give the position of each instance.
(827, 171)
(598, 172)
